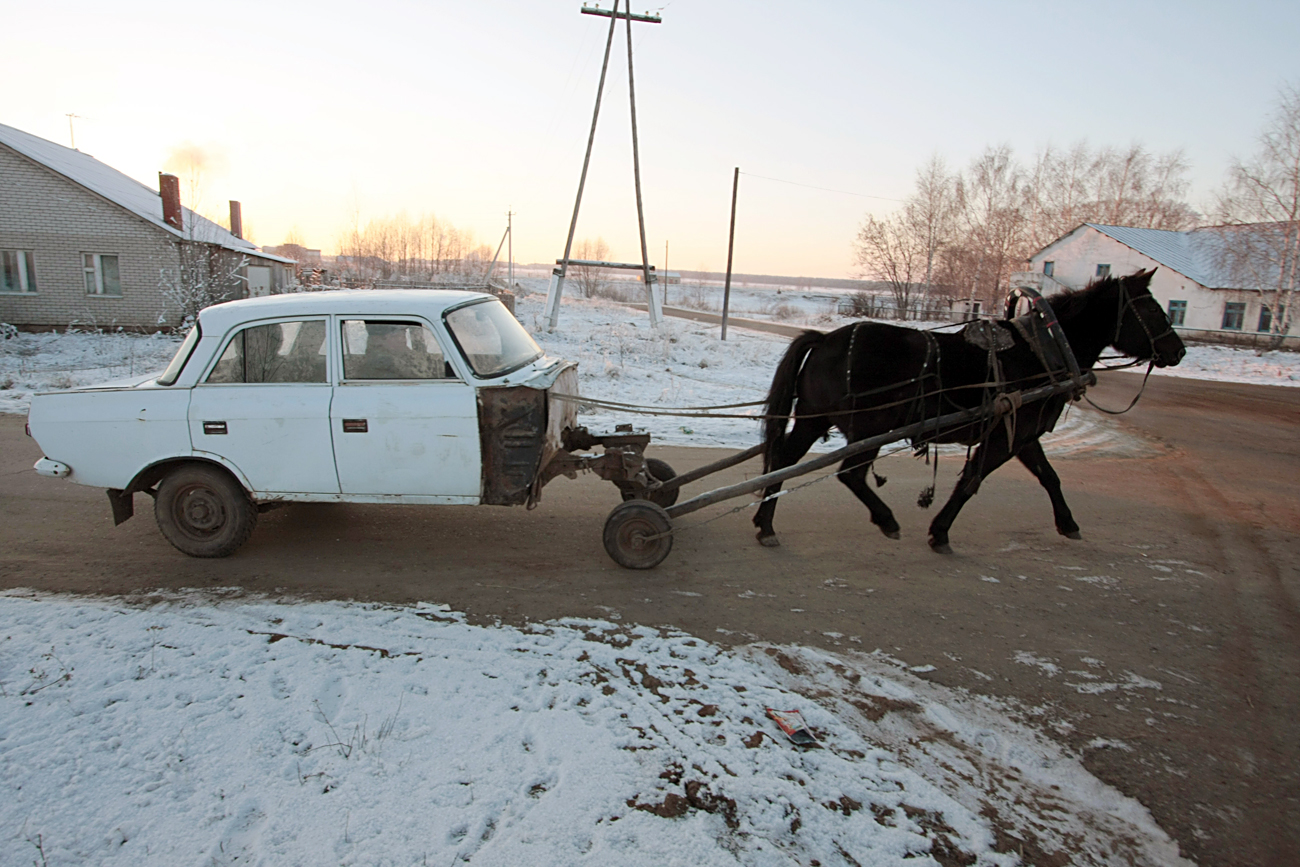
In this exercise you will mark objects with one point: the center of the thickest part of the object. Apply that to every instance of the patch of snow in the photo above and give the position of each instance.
(188, 728)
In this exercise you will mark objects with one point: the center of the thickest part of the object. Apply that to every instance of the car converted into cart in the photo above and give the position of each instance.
(394, 396)
(442, 397)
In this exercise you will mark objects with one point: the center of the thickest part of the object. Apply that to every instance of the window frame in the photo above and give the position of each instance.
(239, 329)
(340, 322)
(1177, 312)
(1266, 318)
(1103, 270)
(1049, 268)
(93, 273)
(1234, 311)
(25, 262)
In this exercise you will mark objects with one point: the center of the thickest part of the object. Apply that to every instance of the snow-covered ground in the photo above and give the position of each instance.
(221, 729)
(202, 730)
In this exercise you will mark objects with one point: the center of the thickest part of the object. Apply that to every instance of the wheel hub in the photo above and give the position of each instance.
(201, 511)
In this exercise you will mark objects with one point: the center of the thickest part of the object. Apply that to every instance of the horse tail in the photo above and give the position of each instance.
(780, 397)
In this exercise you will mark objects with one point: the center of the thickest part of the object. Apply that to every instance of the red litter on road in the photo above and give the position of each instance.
(792, 723)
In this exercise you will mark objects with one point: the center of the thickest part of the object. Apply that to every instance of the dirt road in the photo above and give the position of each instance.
(1165, 647)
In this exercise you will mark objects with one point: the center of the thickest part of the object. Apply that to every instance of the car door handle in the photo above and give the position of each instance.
(214, 427)
(355, 425)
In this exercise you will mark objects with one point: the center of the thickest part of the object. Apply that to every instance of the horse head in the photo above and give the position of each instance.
(1142, 329)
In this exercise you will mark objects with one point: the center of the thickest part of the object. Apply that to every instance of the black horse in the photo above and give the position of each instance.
(870, 378)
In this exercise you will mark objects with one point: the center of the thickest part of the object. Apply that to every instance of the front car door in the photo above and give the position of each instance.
(263, 407)
(404, 422)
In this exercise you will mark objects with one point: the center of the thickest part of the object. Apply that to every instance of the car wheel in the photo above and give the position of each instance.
(638, 534)
(660, 471)
(203, 511)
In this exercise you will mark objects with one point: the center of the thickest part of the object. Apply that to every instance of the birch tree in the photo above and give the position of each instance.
(1259, 207)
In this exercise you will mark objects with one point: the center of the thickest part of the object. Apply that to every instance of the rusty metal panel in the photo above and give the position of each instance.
(512, 436)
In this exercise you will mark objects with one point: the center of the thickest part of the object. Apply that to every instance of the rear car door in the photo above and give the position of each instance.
(404, 421)
(264, 407)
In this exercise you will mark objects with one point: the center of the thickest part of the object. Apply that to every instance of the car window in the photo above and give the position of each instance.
(182, 356)
(280, 352)
(492, 339)
(390, 349)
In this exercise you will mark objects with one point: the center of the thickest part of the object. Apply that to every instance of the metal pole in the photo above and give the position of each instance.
(666, 281)
(510, 247)
(653, 300)
(731, 243)
(554, 303)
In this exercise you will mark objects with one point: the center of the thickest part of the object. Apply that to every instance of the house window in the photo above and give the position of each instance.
(17, 271)
(1234, 315)
(102, 276)
(1177, 312)
(1049, 268)
(1103, 271)
(1266, 317)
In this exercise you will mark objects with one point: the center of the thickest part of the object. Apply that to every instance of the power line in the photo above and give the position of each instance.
(823, 189)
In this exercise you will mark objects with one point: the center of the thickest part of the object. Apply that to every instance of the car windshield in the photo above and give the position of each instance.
(182, 355)
(492, 340)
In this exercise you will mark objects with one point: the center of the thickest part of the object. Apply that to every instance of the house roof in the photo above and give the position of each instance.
(108, 182)
(1198, 254)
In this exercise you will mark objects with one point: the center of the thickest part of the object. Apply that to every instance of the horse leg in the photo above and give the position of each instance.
(801, 438)
(992, 454)
(1035, 461)
(853, 473)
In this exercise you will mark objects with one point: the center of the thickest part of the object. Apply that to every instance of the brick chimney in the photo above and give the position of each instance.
(170, 188)
(236, 220)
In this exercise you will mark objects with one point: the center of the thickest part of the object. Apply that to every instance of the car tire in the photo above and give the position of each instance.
(660, 471)
(203, 511)
(638, 534)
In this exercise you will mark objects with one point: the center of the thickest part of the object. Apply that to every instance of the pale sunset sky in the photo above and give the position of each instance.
(313, 114)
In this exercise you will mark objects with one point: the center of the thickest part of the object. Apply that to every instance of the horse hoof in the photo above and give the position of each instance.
(892, 534)
(940, 547)
(769, 541)
(1071, 534)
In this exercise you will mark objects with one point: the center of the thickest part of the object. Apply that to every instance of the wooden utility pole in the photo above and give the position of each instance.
(558, 275)
(731, 244)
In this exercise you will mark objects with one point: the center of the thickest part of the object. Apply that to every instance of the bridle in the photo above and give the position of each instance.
(1126, 303)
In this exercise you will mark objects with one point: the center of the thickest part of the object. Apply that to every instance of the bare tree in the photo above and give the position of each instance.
(886, 249)
(1260, 209)
(591, 279)
(903, 250)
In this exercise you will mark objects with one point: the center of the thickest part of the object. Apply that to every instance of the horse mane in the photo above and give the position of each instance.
(1071, 302)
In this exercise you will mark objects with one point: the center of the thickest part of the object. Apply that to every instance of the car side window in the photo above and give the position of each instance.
(281, 352)
(387, 349)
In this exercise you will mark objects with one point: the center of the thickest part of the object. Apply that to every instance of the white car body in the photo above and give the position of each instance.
(302, 441)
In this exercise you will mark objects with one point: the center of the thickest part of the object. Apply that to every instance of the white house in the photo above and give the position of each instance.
(82, 243)
(1191, 283)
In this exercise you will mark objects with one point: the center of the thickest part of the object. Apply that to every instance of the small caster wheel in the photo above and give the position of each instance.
(638, 534)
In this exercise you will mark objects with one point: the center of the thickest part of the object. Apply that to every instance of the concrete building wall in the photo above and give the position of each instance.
(58, 221)
(1077, 255)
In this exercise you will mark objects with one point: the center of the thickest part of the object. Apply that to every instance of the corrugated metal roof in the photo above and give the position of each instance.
(1196, 254)
(143, 201)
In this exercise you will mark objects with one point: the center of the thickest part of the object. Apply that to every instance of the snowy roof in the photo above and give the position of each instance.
(108, 182)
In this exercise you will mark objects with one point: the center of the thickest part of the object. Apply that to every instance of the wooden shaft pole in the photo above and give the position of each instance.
(921, 428)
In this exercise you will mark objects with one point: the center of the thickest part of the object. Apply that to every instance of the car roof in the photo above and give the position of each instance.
(361, 302)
